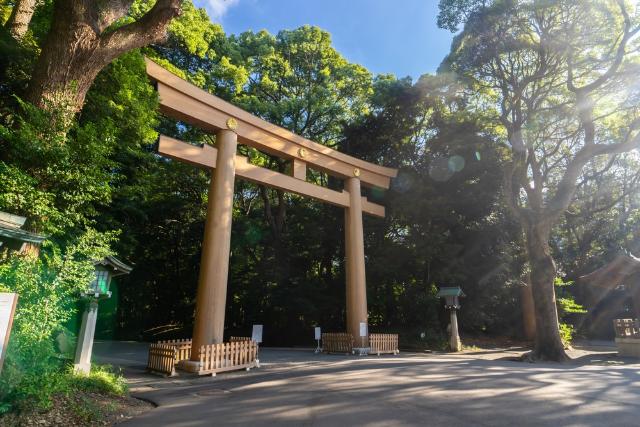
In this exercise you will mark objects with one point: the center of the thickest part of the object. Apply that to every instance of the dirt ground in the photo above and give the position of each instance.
(84, 409)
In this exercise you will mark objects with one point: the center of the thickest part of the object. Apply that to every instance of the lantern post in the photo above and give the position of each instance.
(452, 303)
(105, 270)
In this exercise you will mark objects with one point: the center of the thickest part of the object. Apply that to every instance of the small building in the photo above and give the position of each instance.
(14, 239)
(612, 292)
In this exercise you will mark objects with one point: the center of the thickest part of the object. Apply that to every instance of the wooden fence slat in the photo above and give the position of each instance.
(337, 342)
(161, 359)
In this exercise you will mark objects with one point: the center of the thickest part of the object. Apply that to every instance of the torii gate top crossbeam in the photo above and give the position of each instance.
(184, 101)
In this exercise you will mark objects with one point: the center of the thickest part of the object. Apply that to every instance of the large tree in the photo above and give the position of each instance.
(83, 38)
(563, 97)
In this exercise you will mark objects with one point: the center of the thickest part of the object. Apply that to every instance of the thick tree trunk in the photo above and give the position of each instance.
(80, 43)
(548, 345)
(71, 58)
(528, 312)
(21, 15)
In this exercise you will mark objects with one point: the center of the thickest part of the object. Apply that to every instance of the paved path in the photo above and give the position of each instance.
(295, 388)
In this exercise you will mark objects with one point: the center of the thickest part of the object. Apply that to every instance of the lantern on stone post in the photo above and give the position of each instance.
(98, 289)
(452, 296)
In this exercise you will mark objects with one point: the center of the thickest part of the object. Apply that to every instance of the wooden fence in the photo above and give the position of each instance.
(183, 348)
(384, 343)
(162, 359)
(627, 328)
(337, 342)
(229, 356)
(239, 339)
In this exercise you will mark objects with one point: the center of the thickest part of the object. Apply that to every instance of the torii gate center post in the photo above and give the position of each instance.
(183, 101)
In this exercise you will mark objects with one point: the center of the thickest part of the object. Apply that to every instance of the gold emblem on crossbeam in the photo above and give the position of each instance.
(232, 124)
(356, 172)
(302, 153)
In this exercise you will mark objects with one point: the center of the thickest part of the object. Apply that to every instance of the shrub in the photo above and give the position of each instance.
(568, 309)
(48, 288)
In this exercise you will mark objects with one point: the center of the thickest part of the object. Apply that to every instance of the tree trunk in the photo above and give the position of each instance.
(528, 312)
(548, 345)
(69, 62)
(80, 43)
(21, 15)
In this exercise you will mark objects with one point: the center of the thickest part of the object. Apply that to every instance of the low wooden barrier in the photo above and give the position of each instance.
(239, 339)
(183, 348)
(162, 359)
(626, 327)
(229, 356)
(337, 342)
(383, 343)
(627, 337)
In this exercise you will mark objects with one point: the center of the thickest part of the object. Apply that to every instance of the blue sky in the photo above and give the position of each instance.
(386, 36)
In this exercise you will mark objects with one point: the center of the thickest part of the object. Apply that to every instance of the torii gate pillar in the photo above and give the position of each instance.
(354, 253)
(214, 264)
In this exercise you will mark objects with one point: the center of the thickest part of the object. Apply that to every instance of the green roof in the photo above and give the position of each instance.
(454, 291)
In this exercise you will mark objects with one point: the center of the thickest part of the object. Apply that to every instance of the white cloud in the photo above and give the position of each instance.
(217, 8)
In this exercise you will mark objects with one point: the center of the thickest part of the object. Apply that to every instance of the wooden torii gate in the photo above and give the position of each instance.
(232, 125)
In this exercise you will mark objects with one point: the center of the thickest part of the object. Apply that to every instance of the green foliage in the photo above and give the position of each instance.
(54, 178)
(456, 12)
(567, 332)
(48, 289)
(566, 302)
(569, 311)
(37, 390)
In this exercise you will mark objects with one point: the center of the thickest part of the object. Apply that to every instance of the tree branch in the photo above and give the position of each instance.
(109, 11)
(151, 28)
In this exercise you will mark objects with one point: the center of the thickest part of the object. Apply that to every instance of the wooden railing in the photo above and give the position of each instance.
(239, 339)
(228, 357)
(337, 342)
(384, 343)
(627, 328)
(183, 348)
(162, 359)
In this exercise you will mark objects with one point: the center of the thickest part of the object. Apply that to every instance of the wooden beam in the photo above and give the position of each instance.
(186, 102)
(205, 157)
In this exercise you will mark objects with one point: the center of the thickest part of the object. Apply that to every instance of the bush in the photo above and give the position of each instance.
(568, 309)
(566, 334)
(36, 391)
(48, 288)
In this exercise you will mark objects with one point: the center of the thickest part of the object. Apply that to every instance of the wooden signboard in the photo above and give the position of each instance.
(7, 310)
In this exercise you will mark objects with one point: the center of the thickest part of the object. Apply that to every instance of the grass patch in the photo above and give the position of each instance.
(66, 398)
(37, 390)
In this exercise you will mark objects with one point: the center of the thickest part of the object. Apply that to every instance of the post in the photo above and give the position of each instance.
(85, 339)
(8, 302)
(214, 263)
(354, 253)
(455, 344)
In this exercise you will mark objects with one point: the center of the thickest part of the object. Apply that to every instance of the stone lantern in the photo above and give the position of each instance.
(98, 289)
(452, 296)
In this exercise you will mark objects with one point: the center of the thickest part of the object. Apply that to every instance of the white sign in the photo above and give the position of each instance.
(318, 333)
(363, 329)
(256, 333)
(7, 309)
